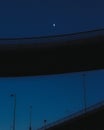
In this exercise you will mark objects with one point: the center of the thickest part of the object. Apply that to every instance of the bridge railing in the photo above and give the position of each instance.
(53, 39)
(93, 107)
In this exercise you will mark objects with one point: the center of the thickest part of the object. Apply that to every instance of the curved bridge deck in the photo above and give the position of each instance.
(91, 119)
(52, 55)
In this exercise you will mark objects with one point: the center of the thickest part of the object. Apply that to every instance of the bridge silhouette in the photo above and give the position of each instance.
(52, 54)
(91, 119)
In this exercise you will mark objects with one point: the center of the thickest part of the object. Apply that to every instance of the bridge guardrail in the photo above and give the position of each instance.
(95, 106)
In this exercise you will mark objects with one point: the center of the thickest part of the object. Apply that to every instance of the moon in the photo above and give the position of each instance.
(54, 25)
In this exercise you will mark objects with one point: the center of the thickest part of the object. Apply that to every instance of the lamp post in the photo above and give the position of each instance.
(14, 111)
(45, 124)
(30, 127)
(84, 92)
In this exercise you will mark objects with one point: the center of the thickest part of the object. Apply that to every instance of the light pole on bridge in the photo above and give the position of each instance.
(14, 111)
(30, 127)
(84, 92)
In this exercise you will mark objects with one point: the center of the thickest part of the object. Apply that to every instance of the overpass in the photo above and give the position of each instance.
(92, 119)
(52, 54)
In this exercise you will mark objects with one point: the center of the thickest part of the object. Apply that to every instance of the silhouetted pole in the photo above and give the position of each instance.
(45, 124)
(30, 127)
(14, 112)
(84, 92)
(85, 100)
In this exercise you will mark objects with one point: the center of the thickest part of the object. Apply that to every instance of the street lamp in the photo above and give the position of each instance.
(30, 127)
(84, 92)
(45, 124)
(14, 112)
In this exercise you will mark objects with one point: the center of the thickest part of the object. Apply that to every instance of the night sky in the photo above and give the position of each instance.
(26, 18)
(55, 96)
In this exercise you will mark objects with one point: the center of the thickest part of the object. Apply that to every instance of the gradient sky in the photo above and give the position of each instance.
(54, 96)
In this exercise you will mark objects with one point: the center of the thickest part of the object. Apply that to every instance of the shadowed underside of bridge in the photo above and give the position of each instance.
(62, 55)
(91, 120)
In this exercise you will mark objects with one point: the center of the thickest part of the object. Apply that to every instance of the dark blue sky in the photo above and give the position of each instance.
(34, 18)
(52, 97)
